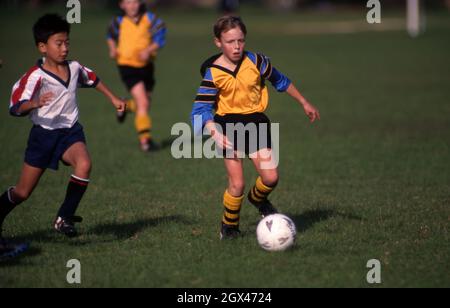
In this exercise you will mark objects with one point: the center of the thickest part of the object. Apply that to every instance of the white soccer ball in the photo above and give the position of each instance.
(276, 232)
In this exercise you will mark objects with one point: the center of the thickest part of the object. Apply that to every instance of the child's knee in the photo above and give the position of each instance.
(20, 195)
(236, 187)
(84, 166)
(270, 179)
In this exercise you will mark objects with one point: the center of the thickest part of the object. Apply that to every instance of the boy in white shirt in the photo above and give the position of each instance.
(47, 93)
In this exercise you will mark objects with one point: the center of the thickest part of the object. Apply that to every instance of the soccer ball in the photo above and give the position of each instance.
(276, 232)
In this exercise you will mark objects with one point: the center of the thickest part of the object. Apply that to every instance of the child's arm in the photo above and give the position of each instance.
(158, 30)
(25, 107)
(218, 136)
(112, 46)
(117, 102)
(311, 111)
(283, 84)
(88, 79)
(113, 36)
(26, 94)
(203, 109)
(149, 51)
(205, 101)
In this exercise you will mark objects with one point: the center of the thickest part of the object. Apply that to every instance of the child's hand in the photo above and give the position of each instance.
(113, 54)
(119, 104)
(311, 112)
(221, 140)
(144, 55)
(43, 100)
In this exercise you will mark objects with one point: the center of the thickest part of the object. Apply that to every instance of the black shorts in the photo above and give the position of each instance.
(131, 76)
(46, 147)
(248, 133)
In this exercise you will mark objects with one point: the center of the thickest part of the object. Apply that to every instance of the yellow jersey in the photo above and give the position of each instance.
(242, 91)
(132, 37)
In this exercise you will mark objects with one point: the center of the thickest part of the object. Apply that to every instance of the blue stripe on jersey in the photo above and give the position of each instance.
(201, 113)
(158, 29)
(208, 75)
(279, 81)
(207, 91)
(151, 16)
(265, 64)
(160, 37)
(114, 29)
(119, 22)
(251, 56)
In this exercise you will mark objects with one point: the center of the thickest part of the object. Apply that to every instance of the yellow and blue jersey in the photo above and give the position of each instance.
(240, 92)
(133, 37)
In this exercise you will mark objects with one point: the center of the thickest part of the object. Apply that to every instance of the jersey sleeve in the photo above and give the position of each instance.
(87, 78)
(24, 90)
(279, 81)
(204, 104)
(113, 29)
(158, 30)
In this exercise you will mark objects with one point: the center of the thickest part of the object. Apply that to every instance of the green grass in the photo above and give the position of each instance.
(371, 180)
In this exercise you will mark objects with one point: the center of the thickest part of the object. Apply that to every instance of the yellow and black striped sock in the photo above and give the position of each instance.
(143, 124)
(232, 209)
(260, 191)
(131, 105)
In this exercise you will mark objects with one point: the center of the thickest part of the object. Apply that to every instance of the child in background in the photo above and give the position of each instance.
(134, 40)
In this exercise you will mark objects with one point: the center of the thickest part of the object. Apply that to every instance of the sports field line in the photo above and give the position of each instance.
(341, 27)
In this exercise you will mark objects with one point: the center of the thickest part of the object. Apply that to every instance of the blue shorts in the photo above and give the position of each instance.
(46, 147)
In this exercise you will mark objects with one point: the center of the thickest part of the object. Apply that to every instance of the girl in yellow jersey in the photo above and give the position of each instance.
(134, 40)
(234, 86)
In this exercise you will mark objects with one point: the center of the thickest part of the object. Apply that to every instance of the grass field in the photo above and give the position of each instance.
(370, 181)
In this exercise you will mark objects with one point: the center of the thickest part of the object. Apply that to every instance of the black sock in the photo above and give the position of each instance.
(75, 191)
(6, 206)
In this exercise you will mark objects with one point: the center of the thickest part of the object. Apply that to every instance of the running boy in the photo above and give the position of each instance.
(47, 93)
(134, 40)
(234, 85)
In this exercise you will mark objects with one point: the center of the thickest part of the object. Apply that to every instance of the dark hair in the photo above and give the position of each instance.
(48, 25)
(225, 23)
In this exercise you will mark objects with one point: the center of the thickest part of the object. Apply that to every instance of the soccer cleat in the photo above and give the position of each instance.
(150, 146)
(229, 232)
(66, 226)
(9, 249)
(264, 207)
(121, 115)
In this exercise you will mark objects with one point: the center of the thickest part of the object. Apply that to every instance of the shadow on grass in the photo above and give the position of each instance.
(17, 260)
(129, 230)
(119, 231)
(167, 142)
(309, 218)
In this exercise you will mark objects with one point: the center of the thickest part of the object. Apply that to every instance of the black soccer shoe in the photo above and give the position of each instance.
(150, 146)
(66, 226)
(121, 115)
(264, 207)
(229, 232)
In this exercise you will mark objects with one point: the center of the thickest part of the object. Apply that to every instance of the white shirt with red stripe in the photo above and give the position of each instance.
(62, 110)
